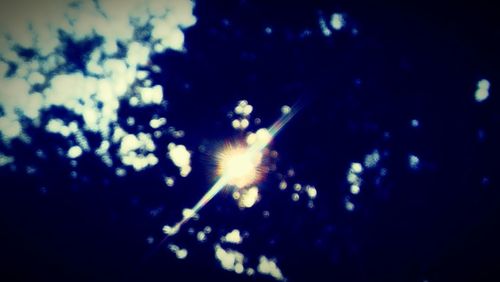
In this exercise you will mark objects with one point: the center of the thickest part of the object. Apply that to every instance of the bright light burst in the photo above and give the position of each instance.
(238, 166)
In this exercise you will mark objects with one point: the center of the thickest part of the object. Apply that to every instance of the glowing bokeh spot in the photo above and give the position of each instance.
(249, 197)
(229, 259)
(169, 181)
(355, 189)
(285, 109)
(337, 21)
(74, 152)
(179, 252)
(311, 192)
(233, 237)
(268, 267)
(181, 157)
(482, 91)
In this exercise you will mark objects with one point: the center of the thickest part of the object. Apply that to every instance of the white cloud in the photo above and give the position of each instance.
(95, 92)
(36, 78)
(13, 95)
(138, 54)
(151, 95)
(3, 69)
(9, 127)
(55, 125)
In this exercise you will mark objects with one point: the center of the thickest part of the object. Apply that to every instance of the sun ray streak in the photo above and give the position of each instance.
(222, 182)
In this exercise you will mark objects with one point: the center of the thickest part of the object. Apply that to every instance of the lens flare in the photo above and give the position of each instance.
(238, 166)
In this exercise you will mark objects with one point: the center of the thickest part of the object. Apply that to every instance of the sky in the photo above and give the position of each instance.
(248, 141)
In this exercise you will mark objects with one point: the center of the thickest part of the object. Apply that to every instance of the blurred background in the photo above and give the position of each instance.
(113, 113)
